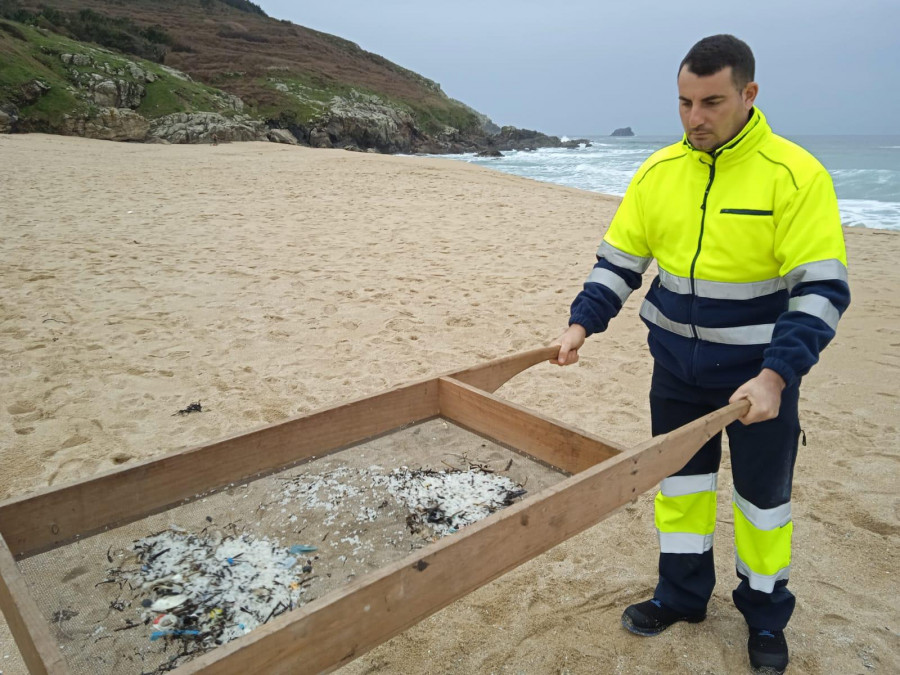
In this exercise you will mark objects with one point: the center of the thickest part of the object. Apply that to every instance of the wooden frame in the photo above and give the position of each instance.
(343, 624)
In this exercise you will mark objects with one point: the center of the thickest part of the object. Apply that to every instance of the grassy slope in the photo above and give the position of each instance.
(37, 57)
(23, 61)
(248, 55)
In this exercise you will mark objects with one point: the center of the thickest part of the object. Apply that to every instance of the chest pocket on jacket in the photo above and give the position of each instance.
(741, 244)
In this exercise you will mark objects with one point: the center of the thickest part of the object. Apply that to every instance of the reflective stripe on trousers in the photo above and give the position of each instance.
(762, 542)
(685, 513)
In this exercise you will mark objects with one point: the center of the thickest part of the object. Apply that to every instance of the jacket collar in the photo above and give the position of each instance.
(746, 142)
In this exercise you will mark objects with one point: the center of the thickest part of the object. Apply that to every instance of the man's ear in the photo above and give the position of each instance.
(750, 92)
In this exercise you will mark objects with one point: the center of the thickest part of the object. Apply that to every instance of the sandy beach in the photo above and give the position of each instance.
(268, 281)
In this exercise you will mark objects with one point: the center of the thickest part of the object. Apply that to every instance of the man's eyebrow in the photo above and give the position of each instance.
(708, 99)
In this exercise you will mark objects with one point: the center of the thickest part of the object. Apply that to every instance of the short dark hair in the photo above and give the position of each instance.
(715, 52)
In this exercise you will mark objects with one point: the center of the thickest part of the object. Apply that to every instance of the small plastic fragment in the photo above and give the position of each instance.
(301, 548)
(155, 635)
(168, 602)
(165, 621)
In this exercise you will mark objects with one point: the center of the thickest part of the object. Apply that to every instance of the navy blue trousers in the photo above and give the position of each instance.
(762, 465)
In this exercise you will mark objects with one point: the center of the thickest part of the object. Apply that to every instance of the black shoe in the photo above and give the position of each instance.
(651, 617)
(768, 651)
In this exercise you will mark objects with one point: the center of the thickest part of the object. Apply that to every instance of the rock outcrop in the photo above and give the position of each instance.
(281, 136)
(9, 115)
(108, 124)
(368, 122)
(624, 131)
(200, 127)
(108, 85)
(32, 90)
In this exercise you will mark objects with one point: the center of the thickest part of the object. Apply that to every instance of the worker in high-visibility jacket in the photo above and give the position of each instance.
(745, 229)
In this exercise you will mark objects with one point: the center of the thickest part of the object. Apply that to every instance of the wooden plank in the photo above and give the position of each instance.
(52, 516)
(26, 623)
(345, 624)
(492, 375)
(564, 447)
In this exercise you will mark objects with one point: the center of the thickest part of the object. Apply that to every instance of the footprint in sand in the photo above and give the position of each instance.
(70, 470)
(75, 440)
(21, 408)
(460, 321)
(867, 521)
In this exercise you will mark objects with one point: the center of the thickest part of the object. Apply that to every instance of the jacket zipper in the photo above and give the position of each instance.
(693, 324)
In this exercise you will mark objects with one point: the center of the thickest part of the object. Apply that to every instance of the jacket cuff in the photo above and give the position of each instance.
(585, 323)
(788, 374)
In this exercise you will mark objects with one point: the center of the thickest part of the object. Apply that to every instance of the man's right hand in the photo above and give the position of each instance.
(569, 344)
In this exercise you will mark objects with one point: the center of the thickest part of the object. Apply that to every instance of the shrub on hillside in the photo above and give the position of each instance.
(245, 6)
(241, 35)
(87, 25)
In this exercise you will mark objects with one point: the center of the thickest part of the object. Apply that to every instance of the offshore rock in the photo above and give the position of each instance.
(624, 131)
(109, 124)
(511, 138)
(199, 127)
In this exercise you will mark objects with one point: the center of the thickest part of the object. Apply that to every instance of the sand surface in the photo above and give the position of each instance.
(268, 281)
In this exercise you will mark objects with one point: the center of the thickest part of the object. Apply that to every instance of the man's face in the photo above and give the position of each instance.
(713, 110)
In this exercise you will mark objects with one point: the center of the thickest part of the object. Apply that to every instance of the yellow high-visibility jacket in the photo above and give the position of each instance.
(752, 264)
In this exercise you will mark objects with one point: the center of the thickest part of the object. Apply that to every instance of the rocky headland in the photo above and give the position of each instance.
(158, 81)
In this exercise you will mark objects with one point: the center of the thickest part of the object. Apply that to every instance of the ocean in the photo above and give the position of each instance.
(865, 170)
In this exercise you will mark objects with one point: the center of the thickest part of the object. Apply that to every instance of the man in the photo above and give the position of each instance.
(745, 228)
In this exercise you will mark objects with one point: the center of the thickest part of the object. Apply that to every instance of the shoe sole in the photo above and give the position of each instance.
(768, 670)
(646, 632)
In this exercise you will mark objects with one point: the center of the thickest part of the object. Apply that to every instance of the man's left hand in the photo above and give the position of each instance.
(764, 394)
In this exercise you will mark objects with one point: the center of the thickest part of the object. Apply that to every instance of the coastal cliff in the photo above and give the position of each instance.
(199, 71)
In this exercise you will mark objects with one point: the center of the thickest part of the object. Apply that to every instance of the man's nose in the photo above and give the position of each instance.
(696, 118)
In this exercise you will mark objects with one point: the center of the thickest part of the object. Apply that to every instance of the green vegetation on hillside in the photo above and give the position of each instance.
(24, 61)
(119, 33)
(32, 54)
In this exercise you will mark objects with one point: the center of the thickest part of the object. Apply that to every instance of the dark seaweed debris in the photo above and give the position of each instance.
(193, 407)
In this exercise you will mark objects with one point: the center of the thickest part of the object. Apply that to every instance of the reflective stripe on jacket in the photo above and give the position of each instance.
(752, 264)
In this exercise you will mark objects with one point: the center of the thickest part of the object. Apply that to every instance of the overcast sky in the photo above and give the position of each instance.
(586, 67)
